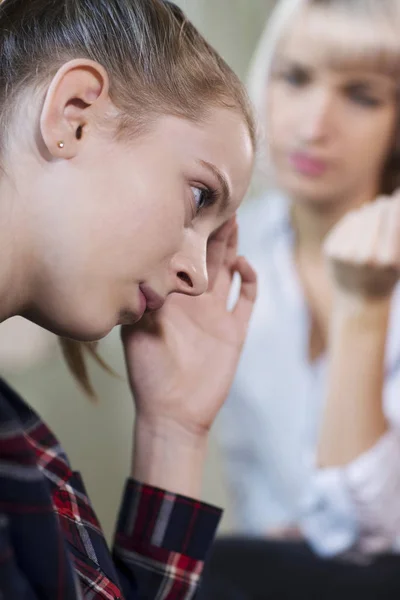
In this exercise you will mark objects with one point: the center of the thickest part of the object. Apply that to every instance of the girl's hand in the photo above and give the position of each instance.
(182, 359)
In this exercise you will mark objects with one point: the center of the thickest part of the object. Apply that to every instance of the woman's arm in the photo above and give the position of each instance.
(364, 254)
(353, 419)
(354, 501)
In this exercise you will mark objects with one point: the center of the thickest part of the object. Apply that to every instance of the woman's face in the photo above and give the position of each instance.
(122, 225)
(330, 126)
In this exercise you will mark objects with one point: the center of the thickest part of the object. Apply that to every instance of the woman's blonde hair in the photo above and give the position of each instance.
(158, 63)
(357, 32)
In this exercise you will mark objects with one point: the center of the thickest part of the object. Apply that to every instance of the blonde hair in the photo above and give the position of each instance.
(75, 354)
(367, 32)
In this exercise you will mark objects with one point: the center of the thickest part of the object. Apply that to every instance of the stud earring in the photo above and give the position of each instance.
(61, 145)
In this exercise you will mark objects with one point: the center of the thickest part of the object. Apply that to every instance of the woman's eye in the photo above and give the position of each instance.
(365, 100)
(362, 95)
(203, 197)
(296, 77)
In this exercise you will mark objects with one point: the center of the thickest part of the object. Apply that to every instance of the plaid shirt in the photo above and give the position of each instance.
(51, 543)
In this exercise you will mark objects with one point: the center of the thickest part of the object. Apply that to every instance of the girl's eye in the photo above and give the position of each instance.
(203, 197)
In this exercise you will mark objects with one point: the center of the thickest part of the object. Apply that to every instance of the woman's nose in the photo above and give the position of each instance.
(317, 118)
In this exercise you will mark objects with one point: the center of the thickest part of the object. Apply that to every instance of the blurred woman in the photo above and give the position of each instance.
(311, 433)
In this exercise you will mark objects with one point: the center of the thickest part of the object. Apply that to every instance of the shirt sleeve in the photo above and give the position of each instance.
(245, 468)
(13, 583)
(356, 508)
(161, 542)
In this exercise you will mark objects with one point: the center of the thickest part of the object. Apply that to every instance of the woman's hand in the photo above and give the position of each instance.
(363, 250)
(182, 359)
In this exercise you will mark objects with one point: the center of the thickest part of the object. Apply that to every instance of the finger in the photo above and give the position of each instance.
(216, 251)
(366, 235)
(355, 239)
(232, 246)
(389, 251)
(371, 244)
(337, 243)
(247, 295)
(223, 283)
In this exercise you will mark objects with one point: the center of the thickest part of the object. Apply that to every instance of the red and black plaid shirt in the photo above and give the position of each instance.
(51, 543)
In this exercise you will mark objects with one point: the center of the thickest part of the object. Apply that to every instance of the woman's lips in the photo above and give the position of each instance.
(308, 165)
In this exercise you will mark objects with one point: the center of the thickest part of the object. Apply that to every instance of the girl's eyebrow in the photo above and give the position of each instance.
(223, 182)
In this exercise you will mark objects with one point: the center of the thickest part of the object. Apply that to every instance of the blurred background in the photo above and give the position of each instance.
(97, 437)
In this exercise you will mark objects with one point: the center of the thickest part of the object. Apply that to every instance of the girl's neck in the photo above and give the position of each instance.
(16, 259)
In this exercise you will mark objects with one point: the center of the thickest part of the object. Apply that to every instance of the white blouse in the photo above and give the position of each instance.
(268, 428)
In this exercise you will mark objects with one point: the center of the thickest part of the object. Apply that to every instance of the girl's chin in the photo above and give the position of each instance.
(128, 319)
(79, 327)
(84, 334)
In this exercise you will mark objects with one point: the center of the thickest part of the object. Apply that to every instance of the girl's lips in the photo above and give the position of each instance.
(142, 303)
(308, 165)
(152, 300)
